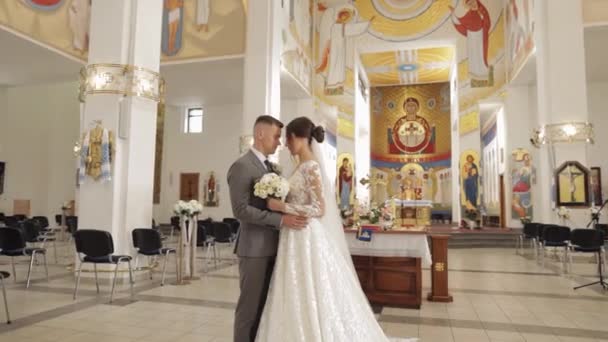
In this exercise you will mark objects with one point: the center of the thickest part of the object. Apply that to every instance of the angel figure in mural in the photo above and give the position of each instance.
(475, 25)
(302, 17)
(337, 25)
(203, 10)
(79, 16)
(172, 26)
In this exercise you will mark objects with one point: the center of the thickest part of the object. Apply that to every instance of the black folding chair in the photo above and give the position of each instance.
(148, 242)
(97, 247)
(556, 237)
(12, 244)
(590, 241)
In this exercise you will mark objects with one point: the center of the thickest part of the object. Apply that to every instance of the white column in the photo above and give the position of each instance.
(262, 74)
(562, 86)
(123, 32)
(362, 138)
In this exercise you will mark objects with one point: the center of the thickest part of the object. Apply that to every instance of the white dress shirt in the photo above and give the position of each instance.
(259, 155)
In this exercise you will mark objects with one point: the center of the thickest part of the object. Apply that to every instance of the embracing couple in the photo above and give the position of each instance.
(297, 279)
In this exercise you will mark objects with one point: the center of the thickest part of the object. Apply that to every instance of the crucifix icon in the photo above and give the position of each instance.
(572, 177)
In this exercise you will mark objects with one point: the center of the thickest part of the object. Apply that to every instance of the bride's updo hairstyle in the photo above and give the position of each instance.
(303, 127)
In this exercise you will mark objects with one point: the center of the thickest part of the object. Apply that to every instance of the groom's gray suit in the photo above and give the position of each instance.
(256, 244)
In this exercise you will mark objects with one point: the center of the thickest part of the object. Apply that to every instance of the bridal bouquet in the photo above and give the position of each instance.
(271, 185)
(189, 209)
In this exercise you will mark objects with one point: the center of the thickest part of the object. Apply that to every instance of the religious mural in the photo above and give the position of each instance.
(44, 5)
(202, 28)
(469, 184)
(60, 24)
(345, 179)
(522, 177)
(296, 36)
(338, 25)
(173, 26)
(490, 173)
(192, 29)
(477, 26)
(413, 66)
(520, 34)
(468, 123)
(411, 144)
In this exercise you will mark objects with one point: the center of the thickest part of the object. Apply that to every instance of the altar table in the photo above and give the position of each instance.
(389, 266)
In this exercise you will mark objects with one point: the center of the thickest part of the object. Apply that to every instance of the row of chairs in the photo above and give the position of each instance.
(541, 236)
(97, 246)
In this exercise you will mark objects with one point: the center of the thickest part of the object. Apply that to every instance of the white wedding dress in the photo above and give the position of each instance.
(314, 293)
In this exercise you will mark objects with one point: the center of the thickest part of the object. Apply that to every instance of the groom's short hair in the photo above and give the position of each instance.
(268, 120)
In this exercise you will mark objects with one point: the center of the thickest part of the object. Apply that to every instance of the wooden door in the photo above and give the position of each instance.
(188, 186)
(503, 218)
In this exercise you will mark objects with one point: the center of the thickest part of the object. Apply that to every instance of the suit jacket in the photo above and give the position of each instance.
(259, 230)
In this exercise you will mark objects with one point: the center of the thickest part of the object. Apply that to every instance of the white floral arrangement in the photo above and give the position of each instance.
(563, 213)
(189, 209)
(271, 185)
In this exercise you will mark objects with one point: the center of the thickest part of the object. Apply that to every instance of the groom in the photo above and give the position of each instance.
(258, 238)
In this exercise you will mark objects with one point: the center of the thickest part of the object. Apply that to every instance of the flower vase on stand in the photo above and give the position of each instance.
(193, 244)
(183, 250)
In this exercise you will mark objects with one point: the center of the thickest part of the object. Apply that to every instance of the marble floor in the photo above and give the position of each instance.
(498, 296)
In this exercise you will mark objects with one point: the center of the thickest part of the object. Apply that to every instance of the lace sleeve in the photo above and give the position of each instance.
(314, 186)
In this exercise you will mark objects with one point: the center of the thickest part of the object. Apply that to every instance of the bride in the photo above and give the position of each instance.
(314, 293)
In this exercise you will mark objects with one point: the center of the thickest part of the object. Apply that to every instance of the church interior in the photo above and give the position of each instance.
(464, 138)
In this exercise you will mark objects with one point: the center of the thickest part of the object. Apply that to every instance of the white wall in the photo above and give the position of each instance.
(597, 99)
(362, 135)
(38, 128)
(213, 150)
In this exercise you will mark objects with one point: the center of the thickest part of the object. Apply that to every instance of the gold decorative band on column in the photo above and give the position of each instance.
(121, 79)
(246, 141)
(565, 132)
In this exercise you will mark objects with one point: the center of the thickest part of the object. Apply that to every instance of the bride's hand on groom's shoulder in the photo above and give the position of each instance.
(276, 205)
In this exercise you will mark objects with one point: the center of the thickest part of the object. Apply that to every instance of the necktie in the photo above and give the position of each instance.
(268, 165)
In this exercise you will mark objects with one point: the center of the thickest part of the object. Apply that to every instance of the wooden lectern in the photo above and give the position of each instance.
(439, 269)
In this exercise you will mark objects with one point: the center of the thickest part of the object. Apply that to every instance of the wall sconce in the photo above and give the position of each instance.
(566, 132)
(120, 79)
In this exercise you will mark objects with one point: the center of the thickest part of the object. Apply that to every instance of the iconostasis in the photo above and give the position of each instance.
(411, 144)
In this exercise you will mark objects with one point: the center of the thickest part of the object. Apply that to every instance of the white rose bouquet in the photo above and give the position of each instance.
(563, 213)
(271, 185)
(189, 209)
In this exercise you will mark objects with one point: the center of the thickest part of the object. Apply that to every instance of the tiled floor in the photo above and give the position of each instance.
(498, 296)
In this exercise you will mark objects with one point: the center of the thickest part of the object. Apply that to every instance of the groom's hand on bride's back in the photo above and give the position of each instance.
(294, 222)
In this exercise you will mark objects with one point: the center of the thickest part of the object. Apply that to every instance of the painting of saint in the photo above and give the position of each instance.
(203, 10)
(521, 175)
(79, 16)
(345, 182)
(470, 182)
(173, 25)
(475, 24)
(337, 25)
(211, 191)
